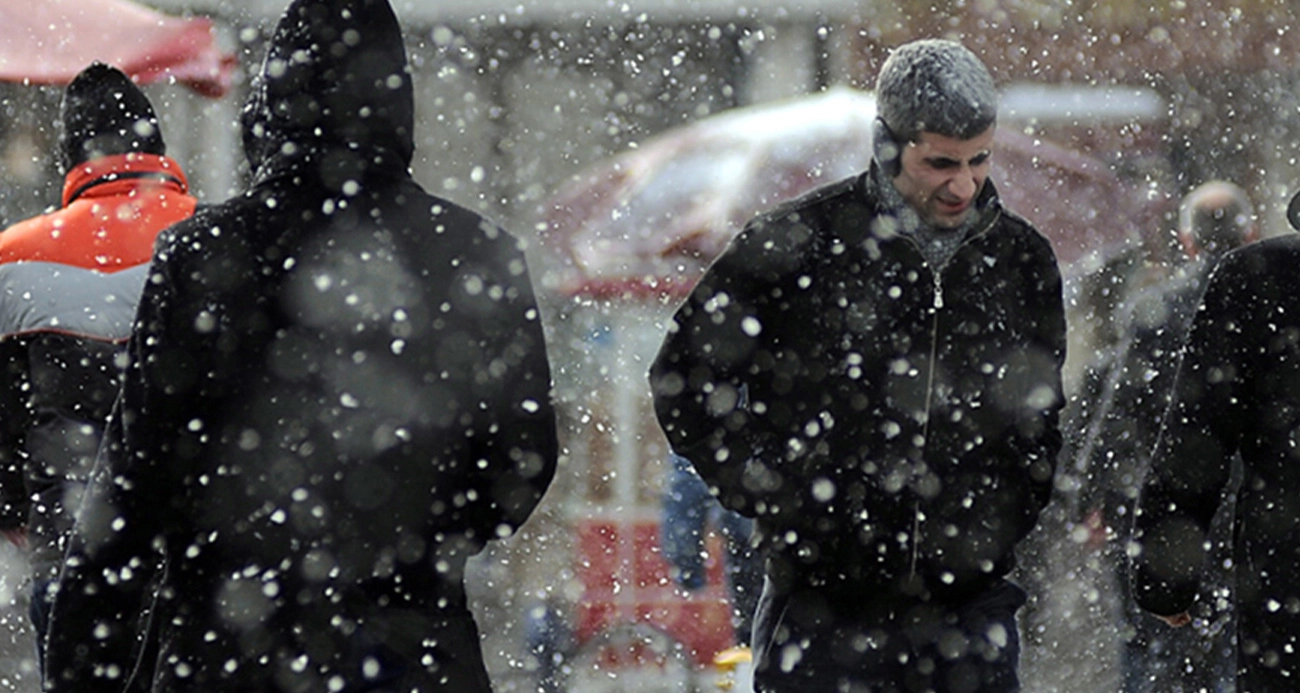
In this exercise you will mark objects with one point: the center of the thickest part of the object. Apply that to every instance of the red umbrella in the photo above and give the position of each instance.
(650, 220)
(50, 41)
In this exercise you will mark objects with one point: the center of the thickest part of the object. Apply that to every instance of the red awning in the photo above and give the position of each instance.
(50, 41)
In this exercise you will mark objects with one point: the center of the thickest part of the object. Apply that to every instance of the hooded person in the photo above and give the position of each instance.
(69, 283)
(337, 393)
(872, 372)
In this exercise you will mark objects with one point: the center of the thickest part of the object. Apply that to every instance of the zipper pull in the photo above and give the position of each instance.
(938, 291)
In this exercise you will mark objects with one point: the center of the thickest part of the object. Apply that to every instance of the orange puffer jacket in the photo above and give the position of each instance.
(113, 208)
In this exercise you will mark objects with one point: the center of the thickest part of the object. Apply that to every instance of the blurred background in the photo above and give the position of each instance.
(626, 141)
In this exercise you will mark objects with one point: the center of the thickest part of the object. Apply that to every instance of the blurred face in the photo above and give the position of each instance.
(940, 176)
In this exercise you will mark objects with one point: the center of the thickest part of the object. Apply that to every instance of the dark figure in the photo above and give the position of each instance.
(873, 373)
(1237, 392)
(69, 283)
(1214, 218)
(689, 510)
(1132, 392)
(337, 393)
(1131, 388)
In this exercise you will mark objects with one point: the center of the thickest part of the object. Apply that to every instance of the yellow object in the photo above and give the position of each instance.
(728, 659)
(727, 662)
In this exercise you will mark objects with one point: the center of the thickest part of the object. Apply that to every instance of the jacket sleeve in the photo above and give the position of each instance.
(1200, 433)
(113, 554)
(14, 422)
(515, 463)
(1039, 434)
(716, 344)
(1036, 440)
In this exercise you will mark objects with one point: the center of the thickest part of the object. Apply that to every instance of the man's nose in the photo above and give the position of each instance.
(963, 185)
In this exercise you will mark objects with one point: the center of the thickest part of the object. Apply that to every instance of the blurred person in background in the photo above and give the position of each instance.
(1131, 392)
(873, 372)
(69, 284)
(1236, 395)
(689, 511)
(337, 393)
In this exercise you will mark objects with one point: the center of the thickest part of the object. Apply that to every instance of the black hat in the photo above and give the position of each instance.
(1293, 212)
(104, 113)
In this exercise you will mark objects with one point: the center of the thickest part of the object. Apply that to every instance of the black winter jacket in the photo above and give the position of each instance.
(338, 393)
(891, 425)
(1237, 392)
(61, 345)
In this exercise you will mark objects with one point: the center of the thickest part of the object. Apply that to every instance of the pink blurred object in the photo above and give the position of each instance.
(50, 41)
(17, 537)
(649, 221)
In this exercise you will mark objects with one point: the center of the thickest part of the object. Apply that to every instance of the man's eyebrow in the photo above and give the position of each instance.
(941, 159)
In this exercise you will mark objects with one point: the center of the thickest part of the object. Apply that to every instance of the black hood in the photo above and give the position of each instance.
(104, 113)
(335, 89)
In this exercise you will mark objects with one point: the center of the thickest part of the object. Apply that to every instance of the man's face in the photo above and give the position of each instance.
(940, 176)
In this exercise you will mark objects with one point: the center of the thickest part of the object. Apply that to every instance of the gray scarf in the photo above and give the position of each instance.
(937, 245)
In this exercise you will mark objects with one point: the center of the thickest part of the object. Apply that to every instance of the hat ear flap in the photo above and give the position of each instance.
(886, 148)
(1293, 212)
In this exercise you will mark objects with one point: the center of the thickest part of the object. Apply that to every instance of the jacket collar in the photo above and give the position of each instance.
(91, 178)
(988, 206)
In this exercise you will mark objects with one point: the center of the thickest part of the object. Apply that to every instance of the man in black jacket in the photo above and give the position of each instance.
(1237, 392)
(338, 392)
(873, 373)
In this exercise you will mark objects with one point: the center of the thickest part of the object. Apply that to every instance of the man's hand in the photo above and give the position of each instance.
(1176, 620)
(16, 536)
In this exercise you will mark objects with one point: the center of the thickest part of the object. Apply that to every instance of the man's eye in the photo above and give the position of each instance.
(979, 160)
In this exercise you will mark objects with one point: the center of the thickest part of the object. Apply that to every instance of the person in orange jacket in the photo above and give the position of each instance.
(69, 284)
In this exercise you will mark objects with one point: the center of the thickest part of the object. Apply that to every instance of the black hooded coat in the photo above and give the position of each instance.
(1237, 391)
(338, 393)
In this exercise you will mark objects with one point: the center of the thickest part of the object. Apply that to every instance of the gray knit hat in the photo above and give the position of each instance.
(931, 85)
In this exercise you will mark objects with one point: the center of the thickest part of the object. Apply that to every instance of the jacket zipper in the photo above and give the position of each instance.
(925, 425)
(937, 274)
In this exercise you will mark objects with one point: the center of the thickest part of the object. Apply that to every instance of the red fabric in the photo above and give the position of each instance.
(50, 41)
(111, 225)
